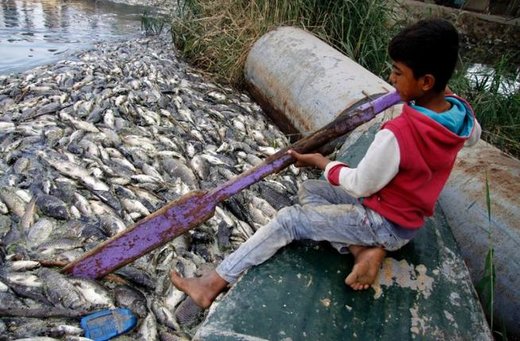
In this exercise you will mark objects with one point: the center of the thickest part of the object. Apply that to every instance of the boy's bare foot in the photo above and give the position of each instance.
(203, 290)
(366, 267)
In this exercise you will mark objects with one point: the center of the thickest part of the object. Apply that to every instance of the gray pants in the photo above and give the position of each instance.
(325, 213)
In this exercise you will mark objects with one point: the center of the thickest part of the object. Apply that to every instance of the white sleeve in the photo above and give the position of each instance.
(377, 168)
(475, 135)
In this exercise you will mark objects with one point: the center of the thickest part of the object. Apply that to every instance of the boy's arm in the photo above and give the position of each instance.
(309, 160)
(377, 168)
(474, 136)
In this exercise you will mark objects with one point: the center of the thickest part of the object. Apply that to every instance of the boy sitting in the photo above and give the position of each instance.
(381, 204)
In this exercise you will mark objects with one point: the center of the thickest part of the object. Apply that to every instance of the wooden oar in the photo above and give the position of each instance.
(194, 208)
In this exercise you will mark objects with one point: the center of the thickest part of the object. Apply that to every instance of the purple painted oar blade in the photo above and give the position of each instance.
(149, 233)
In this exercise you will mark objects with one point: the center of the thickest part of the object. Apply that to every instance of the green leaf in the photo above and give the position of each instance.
(485, 287)
(488, 199)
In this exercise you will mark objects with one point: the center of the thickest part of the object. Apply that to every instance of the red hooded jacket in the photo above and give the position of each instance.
(427, 154)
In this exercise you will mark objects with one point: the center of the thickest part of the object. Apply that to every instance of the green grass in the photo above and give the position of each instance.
(497, 112)
(486, 285)
(152, 24)
(216, 35)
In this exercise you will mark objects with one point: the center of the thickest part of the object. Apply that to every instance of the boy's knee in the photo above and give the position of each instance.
(309, 187)
(303, 189)
(287, 214)
(289, 218)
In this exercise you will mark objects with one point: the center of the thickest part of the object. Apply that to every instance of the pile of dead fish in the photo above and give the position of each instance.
(88, 147)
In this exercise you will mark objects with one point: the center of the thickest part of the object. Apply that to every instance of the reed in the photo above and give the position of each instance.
(152, 24)
(495, 97)
(216, 35)
(485, 287)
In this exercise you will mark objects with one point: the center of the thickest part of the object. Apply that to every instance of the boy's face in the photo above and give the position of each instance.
(403, 80)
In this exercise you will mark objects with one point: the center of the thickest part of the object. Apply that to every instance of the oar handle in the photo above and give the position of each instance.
(347, 121)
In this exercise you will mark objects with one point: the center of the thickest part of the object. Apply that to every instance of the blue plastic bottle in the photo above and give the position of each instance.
(106, 324)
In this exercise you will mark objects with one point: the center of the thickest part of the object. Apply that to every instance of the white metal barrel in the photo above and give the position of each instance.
(305, 82)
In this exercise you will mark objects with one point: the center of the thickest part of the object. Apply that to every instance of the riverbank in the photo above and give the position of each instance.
(163, 7)
(90, 146)
(480, 32)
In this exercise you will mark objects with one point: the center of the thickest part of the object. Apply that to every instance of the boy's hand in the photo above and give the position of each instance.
(309, 160)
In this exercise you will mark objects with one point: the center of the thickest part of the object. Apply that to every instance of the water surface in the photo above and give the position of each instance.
(35, 32)
(485, 76)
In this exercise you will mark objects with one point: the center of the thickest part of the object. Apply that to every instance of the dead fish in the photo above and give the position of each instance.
(173, 297)
(5, 225)
(135, 208)
(186, 267)
(64, 330)
(188, 313)
(52, 206)
(60, 291)
(8, 301)
(75, 171)
(29, 329)
(148, 329)
(109, 118)
(178, 169)
(82, 204)
(164, 316)
(111, 224)
(224, 236)
(148, 118)
(123, 162)
(12, 200)
(79, 124)
(264, 206)
(108, 198)
(140, 142)
(20, 310)
(257, 215)
(24, 265)
(275, 194)
(143, 178)
(148, 199)
(25, 285)
(173, 336)
(151, 171)
(3, 208)
(94, 184)
(138, 276)
(97, 295)
(21, 165)
(200, 166)
(132, 299)
(55, 246)
(64, 189)
(27, 219)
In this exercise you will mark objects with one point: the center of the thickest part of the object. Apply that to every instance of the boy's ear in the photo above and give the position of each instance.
(427, 82)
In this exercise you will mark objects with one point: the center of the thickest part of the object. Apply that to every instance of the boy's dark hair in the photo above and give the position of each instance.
(428, 46)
